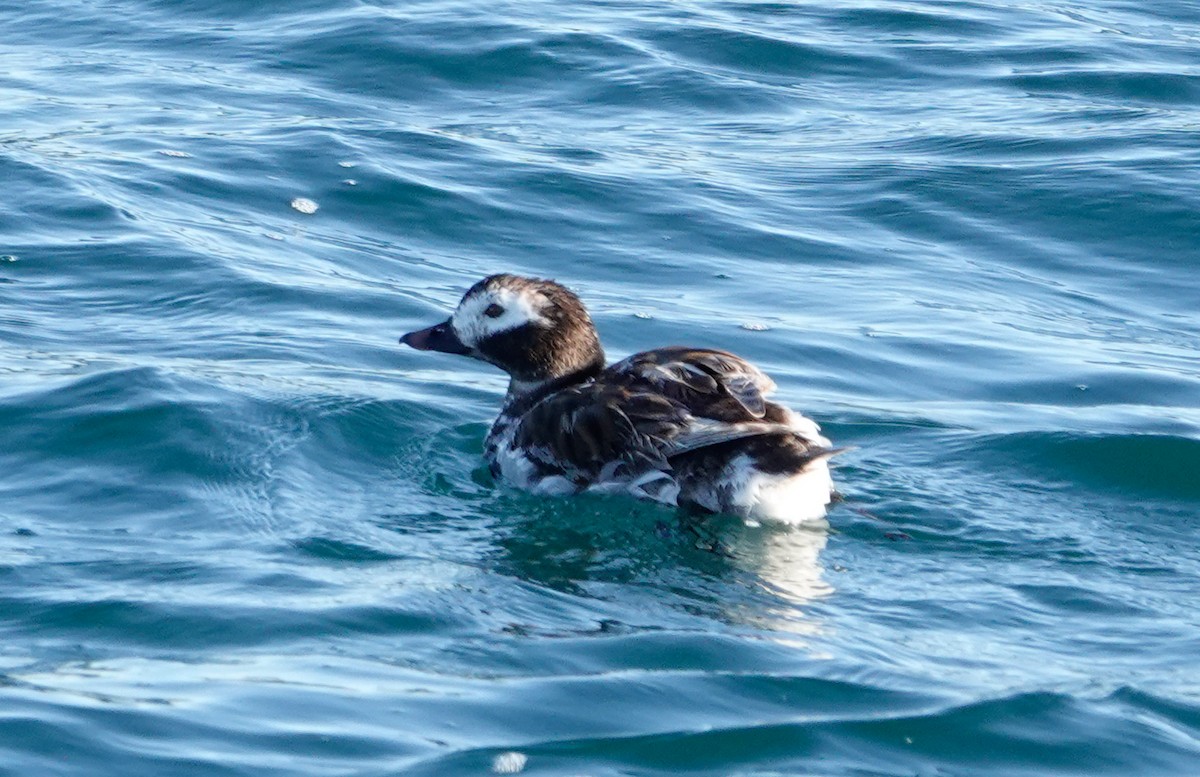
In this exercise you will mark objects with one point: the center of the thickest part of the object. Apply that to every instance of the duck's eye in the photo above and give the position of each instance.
(494, 311)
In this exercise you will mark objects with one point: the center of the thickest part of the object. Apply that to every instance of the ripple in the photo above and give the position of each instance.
(1166, 88)
(1140, 465)
(1012, 731)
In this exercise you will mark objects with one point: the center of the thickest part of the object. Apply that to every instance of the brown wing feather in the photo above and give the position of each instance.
(709, 383)
(596, 426)
(647, 409)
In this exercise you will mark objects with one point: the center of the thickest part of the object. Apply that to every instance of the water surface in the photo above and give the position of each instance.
(243, 532)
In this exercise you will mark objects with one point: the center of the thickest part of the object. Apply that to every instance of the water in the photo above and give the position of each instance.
(243, 532)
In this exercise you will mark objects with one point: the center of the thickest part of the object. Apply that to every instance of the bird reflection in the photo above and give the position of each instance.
(760, 576)
(785, 563)
(786, 559)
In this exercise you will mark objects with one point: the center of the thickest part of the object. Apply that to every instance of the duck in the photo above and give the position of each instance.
(687, 427)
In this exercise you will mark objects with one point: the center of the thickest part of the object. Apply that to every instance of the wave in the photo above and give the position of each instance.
(1136, 465)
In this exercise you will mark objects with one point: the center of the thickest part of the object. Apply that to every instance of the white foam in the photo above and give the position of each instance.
(305, 205)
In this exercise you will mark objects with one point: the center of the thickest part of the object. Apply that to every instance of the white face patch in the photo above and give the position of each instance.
(472, 324)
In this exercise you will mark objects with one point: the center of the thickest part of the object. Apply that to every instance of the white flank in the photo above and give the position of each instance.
(798, 499)
(554, 485)
(808, 429)
(794, 499)
(515, 466)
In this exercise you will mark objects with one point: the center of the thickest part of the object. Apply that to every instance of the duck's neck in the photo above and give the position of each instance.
(524, 394)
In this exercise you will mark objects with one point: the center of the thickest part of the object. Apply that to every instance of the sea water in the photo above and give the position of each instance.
(244, 532)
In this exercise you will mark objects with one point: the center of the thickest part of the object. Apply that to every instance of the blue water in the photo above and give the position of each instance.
(243, 532)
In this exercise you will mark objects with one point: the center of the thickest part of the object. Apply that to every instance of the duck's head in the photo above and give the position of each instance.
(535, 330)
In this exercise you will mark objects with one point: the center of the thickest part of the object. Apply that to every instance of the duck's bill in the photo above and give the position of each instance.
(436, 338)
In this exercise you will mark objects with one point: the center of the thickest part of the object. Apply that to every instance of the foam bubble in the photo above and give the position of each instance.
(509, 763)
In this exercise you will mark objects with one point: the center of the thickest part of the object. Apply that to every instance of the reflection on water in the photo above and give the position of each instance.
(786, 559)
(760, 576)
(783, 562)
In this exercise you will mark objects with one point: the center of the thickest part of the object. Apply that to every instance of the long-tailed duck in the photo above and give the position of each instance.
(684, 426)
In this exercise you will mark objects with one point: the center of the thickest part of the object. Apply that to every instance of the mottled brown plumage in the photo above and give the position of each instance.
(660, 410)
(681, 425)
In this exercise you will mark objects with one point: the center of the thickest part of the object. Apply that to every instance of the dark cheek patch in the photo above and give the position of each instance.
(514, 350)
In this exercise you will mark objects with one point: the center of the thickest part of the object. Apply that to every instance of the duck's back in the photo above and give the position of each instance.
(680, 425)
(779, 472)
